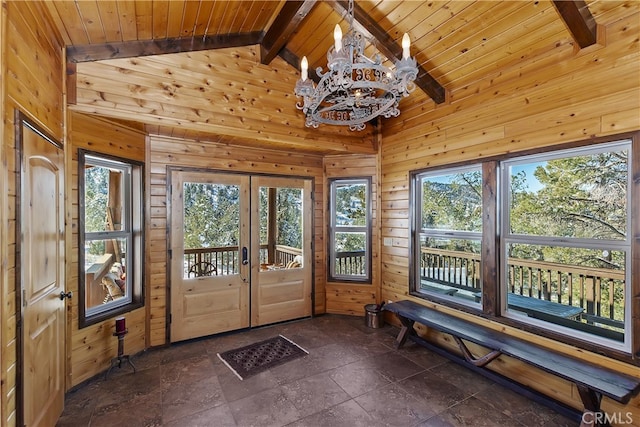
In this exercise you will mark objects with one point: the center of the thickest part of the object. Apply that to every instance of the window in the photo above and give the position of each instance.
(543, 242)
(448, 213)
(350, 230)
(111, 255)
(566, 241)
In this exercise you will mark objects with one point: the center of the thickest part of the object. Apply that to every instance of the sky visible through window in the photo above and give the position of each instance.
(533, 185)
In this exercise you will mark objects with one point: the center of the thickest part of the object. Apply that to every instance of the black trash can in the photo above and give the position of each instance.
(373, 317)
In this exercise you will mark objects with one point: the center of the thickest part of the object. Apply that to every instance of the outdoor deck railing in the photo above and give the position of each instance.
(350, 263)
(600, 292)
(226, 261)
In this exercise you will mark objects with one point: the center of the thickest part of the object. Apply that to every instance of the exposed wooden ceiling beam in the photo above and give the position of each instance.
(578, 19)
(293, 60)
(97, 52)
(363, 23)
(286, 23)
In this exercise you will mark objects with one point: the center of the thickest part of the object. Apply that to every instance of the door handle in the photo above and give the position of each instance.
(245, 256)
(64, 295)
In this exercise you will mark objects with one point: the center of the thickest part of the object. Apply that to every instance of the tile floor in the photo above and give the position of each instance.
(351, 377)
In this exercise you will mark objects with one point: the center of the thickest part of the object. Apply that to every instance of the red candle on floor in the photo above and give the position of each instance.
(120, 325)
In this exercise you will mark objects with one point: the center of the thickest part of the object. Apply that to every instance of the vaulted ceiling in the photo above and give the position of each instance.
(225, 70)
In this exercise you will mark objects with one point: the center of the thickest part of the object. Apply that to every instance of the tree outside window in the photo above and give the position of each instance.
(350, 230)
(110, 236)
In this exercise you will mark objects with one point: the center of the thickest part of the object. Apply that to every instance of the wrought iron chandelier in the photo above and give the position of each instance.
(355, 88)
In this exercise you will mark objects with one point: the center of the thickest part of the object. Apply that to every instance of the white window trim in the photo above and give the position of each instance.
(507, 238)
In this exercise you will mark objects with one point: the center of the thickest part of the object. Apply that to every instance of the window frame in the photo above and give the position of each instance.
(492, 249)
(132, 231)
(333, 230)
(507, 237)
(417, 231)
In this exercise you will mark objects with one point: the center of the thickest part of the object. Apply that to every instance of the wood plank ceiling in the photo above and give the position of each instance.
(225, 70)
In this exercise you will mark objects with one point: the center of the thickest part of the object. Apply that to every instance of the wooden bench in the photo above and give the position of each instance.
(593, 381)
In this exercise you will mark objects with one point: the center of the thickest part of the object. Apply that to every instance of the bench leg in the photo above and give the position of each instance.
(591, 400)
(407, 329)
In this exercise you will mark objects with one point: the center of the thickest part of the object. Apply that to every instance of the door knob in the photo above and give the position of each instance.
(64, 295)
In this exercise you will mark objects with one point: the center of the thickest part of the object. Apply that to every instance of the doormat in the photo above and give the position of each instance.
(255, 358)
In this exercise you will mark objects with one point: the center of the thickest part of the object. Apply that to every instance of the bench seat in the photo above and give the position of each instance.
(592, 381)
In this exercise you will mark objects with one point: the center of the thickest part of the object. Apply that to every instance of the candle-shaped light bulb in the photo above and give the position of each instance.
(304, 66)
(337, 36)
(406, 43)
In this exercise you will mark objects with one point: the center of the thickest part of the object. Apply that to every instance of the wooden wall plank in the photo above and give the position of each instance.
(344, 297)
(31, 74)
(539, 102)
(93, 347)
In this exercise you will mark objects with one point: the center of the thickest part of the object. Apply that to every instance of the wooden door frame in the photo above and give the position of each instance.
(175, 168)
(20, 120)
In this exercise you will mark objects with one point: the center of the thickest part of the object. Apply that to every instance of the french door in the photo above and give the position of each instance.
(240, 251)
(209, 230)
(281, 240)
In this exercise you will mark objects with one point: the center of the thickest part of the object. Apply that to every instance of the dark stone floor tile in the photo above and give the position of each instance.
(143, 411)
(297, 369)
(307, 338)
(560, 420)
(421, 355)
(220, 416)
(226, 342)
(267, 408)
(233, 388)
(353, 376)
(183, 350)
(182, 399)
(80, 402)
(151, 358)
(313, 394)
(358, 378)
(394, 366)
(132, 386)
(186, 371)
(347, 414)
(394, 406)
(462, 377)
(516, 406)
(474, 413)
(436, 392)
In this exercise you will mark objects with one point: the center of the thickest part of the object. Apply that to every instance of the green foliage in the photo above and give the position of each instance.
(211, 215)
(580, 197)
(289, 217)
(351, 204)
(350, 211)
(453, 202)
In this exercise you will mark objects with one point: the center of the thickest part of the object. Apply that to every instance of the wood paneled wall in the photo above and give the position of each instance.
(32, 81)
(163, 152)
(350, 298)
(90, 349)
(544, 100)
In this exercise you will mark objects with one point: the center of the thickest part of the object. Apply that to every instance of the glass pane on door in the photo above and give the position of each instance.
(211, 229)
(281, 232)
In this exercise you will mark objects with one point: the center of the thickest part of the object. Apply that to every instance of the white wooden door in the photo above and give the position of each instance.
(42, 278)
(281, 283)
(209, 229)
